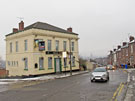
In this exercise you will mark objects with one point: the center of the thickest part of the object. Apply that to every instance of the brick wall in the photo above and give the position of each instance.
(3, 72)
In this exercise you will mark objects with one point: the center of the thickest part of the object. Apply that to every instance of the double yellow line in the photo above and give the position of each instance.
(117, 92)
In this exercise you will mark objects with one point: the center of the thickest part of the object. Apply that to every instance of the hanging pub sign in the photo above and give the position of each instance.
(36, 42)
(41, 45)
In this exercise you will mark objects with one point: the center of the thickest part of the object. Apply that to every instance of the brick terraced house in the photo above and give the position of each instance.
(125, 54)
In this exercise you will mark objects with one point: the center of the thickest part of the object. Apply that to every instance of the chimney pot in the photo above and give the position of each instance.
(124, 43)
(131, 38)
(69, 29)
(111, 51)
(15, 30)
(119, 46)
(21, 26)
(114, 50)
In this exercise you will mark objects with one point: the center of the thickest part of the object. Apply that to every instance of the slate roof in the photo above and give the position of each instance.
(45, 26)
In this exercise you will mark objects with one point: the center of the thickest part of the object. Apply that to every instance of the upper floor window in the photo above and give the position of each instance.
(64, 45)
(131, 48)
(25, 45)
(16, 46)
(49, 45)
(57, 45)
(126, 52)
(11, 47)
(72, 46)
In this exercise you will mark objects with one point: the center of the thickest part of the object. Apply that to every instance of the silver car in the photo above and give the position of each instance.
(100, 74)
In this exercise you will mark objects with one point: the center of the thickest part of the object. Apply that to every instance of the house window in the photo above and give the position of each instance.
(49, 62)
(131, 48)
(12, 63)
(16, 46)
(64, 45)
(72, 46)
(72, 61)
(25, 63)
(11, 47)
(41, 63)
(65, 62)
(17, 63)
(57, 45)
(25, 45)
(126, 52)
(8, 63)
(49, 45)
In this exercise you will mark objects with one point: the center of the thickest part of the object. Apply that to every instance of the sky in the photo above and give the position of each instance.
(101, 24)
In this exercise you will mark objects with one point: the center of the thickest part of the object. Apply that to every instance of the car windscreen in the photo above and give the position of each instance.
(100, 70)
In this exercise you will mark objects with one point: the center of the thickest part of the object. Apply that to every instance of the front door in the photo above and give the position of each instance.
(57, 65)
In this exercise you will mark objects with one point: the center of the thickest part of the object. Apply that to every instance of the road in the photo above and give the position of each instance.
(75, 88)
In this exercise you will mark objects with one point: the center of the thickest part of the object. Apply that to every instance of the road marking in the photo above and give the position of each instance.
(120, 89)
(125, 71)
(133, 78)
(115, 93)
(128, 80)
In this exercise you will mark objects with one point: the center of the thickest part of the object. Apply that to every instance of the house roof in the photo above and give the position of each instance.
(45, 26)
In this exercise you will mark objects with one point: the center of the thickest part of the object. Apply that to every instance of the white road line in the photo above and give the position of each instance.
(128, 80)
(133, 78)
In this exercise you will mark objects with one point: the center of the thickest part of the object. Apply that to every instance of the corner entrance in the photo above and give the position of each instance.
(57, 64)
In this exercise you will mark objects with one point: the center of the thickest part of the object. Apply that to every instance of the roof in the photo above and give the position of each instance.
(132, 41)
(125, 46)
(45, 26)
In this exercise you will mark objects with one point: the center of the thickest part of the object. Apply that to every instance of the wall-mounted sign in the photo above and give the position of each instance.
(64, 54)
(41, 45)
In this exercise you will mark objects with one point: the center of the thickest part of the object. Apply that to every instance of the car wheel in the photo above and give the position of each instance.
(91, 80)
(108, 78)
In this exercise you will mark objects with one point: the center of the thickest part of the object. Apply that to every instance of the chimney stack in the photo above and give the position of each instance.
(15, 30)
(69, 29)
(114, 50)
(131, 38)
(124, 43)
(119, 46)
(111, 51)
(21, 26)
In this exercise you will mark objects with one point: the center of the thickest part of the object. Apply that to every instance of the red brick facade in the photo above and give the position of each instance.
(125, 54)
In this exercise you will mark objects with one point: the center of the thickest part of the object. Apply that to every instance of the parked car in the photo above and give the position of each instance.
(100, 74)
(111, 67)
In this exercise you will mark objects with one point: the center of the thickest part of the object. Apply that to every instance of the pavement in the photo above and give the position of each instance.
(45, 77)
(130, 93)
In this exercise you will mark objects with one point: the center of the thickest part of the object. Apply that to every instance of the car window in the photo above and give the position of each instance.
(100, 70)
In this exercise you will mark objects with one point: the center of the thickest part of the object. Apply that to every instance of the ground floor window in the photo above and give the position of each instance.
(41, 63)
(65, 62)
(72, 61)
(25, 63)
(49, 62)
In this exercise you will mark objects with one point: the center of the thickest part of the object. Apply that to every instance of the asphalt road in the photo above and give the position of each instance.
(75, 88)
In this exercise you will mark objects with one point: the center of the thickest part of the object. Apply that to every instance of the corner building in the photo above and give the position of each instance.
(41, 48)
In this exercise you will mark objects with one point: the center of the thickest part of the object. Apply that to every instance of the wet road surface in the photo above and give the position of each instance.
(75, 88)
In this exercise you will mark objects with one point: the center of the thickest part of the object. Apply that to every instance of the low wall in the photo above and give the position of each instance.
(3, 73)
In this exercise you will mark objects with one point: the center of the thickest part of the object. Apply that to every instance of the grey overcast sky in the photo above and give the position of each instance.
(101, 24)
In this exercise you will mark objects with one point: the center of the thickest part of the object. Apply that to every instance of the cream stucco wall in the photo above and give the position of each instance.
(33, 54)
